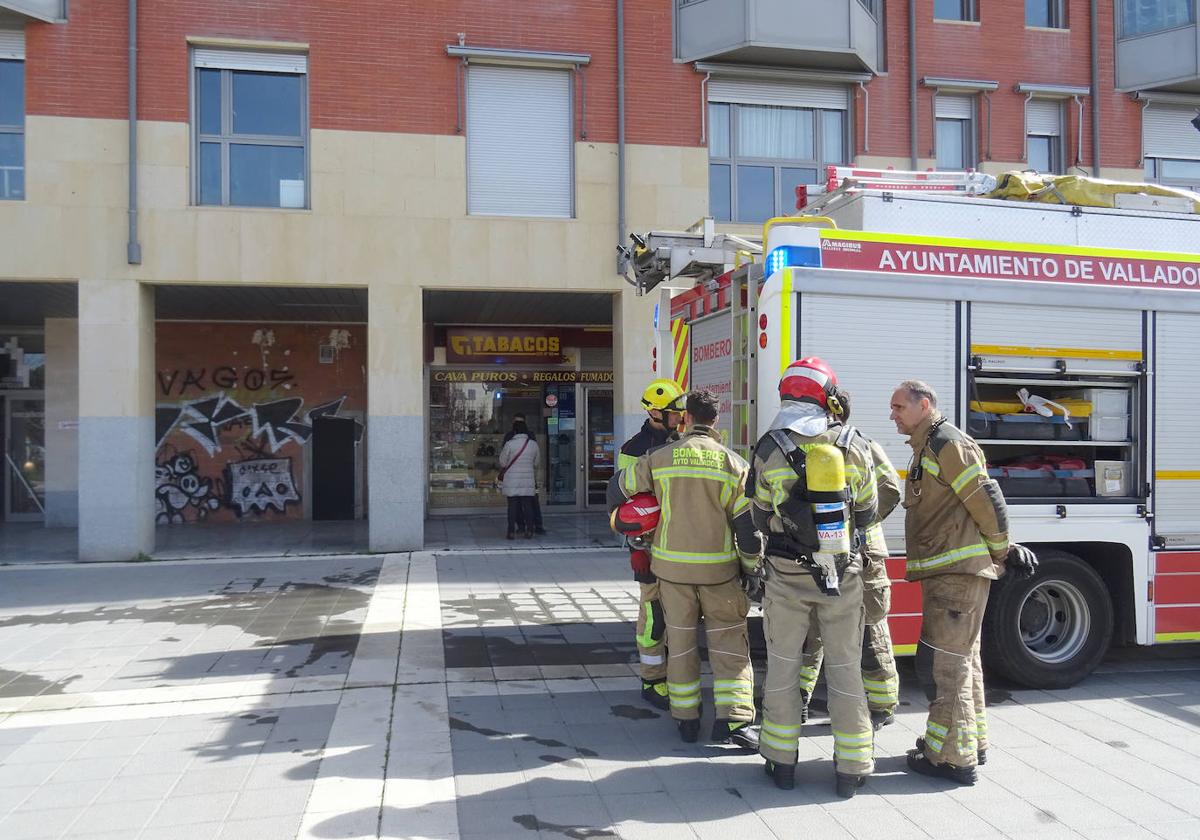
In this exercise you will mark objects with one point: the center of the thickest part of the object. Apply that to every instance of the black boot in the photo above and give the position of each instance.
(740, 734)
(880, 719)
(689, 730)
(847, 786)
(783, 774)
(654, 692)
(919, 763)
(980, 755)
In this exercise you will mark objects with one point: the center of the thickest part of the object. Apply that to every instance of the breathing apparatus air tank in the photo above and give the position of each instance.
(826, 474)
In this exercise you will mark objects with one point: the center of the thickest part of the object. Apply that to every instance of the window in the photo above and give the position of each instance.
(1045, 13)
(759, 154)
(955, 140)
(955, 10)
(1174, 173)
(520, 151)
(12, 115)
(250, 121)
(1044, 137)
(1141, 16)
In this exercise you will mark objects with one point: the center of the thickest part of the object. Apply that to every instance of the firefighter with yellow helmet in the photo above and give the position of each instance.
(663, 401)
(812, 486)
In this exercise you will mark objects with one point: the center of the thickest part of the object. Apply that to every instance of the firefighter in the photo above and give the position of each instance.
(813, 487)
(880, 679)
(956, 536)
(705, 530)
(662, 400)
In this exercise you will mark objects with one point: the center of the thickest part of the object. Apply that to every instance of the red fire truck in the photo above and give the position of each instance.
(1065, 339)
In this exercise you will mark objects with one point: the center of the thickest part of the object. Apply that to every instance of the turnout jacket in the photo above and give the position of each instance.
(774, 478)
(646, 439)
(705, 524)
(956, 521)
(887, 496)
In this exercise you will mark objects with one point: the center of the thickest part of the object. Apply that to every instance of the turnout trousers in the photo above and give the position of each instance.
(880, 679)
(949, 667)
(723, 606)
(651, 634)
(790, 602)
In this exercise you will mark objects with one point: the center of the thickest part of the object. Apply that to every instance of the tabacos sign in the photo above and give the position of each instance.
(472, 344)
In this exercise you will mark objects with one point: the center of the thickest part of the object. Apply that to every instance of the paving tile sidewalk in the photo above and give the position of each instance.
(491, 694)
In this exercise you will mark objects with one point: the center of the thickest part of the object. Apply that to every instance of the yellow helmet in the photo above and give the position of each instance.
(663, 395)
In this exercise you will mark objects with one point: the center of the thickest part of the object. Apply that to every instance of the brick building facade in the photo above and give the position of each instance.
(396, 171)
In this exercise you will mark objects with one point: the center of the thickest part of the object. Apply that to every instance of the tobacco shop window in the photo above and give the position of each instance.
(250, 125)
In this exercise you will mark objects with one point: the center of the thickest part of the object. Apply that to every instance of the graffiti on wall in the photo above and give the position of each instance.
(272, 424)
(180, 490)
(260, 484)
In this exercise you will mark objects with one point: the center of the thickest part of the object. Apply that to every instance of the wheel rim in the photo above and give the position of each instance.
(1054, 621)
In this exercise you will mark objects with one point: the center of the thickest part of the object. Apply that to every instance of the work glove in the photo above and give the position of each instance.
(754, 582)
(1021, 561)
(639, 561)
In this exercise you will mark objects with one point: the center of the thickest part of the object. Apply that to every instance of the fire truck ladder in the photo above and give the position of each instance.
(698, 254)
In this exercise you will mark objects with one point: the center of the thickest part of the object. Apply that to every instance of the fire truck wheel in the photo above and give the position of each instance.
(1051, 631)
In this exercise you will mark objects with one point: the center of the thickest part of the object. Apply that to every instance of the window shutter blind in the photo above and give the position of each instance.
(519, 142)
(955, 107)
(261, 62)
(767, 92)
(1045, 117)
(1169, 133)
(12, 43)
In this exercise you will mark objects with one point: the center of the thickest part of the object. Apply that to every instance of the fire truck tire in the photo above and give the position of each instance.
(1051, 631)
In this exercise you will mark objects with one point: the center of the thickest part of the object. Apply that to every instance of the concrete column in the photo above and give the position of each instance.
(633, 341)
(62, 423)
(397, 475)
(116, 419)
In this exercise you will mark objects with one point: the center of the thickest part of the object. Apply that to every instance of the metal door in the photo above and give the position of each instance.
(597, 461)
(23, 461)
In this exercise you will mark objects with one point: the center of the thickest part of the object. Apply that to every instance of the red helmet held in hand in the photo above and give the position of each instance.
(636, 517)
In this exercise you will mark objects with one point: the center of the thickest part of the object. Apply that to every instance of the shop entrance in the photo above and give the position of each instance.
(490, 365)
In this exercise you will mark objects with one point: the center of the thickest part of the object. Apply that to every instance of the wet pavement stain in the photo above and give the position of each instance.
(21, 684)
(575, 832)
(1043, 816)
(290, 615)
(734, 792)
(633, 712)
(463, 726)
(1120, 745)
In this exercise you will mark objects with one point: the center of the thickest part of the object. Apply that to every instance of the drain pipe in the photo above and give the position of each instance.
(133, 248)
(1095, 92)
(912, 82)
(621, 260)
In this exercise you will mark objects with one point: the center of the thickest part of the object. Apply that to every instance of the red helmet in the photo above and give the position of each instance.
(810, 379)
(637, 516)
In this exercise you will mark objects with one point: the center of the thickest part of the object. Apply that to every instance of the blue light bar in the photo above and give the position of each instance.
(792, 256)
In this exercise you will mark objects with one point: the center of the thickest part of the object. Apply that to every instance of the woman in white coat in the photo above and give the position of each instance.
(519, 462)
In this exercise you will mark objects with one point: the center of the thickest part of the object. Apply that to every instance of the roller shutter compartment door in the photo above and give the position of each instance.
(1176, 496)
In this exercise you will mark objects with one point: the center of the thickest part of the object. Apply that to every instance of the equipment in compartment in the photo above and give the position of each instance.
(1113, 478)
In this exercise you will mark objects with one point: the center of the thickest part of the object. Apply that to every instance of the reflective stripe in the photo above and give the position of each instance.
(741, 505)
(695, 472)
(780, 729)
(786, 738)
(966, 475)
(624, 461)
(981, 725)
(784, 744)
(684, 688)
(646, 640)
(808, 679)
(874, 532)
(882, 691)
(930, 465)
(853, 745)
(650, 659)
(946, 558)
(935, 735)
(630, 481)
(996, 546)
(692, 557)
(684, 702)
